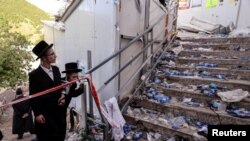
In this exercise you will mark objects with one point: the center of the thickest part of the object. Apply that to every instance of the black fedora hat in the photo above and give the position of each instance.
(71, 67)
(41, 48)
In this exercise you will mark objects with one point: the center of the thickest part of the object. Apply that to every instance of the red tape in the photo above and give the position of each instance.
(39, 93)
(94, 94)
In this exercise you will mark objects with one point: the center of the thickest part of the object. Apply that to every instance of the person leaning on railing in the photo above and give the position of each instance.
(71, 70)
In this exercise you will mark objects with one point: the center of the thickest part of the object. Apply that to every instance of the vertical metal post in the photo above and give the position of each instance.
(152, 48)
(119, 66)
(91, 108)
(83, 96)
(146, 25)
(176, 15)
(84, 102)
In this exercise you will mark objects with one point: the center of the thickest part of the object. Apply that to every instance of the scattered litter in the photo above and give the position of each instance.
(217, 105)
(202, 49)
(137, 135)
(233, 96)
(208, 65)
(191, 102)
(238, 112)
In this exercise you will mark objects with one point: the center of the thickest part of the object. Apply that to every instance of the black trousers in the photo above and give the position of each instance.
(72, 113)
(1, 135)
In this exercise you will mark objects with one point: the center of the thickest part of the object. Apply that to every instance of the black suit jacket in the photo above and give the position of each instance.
(47, 105)
(19, 124)
(72, 93)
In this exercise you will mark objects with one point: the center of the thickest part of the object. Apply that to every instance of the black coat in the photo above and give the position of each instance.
(21, 125)
(68, 97)
(47, 105)
(1, 135)
(72, 93)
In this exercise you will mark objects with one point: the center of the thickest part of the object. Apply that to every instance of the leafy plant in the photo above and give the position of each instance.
(14, 57)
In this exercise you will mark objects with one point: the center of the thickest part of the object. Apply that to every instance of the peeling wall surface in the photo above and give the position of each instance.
(223, 13)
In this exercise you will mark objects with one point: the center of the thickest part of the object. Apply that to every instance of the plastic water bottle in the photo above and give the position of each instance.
(137, 135)
(82, 67)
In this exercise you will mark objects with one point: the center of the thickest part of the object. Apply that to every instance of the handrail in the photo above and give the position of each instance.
(139, 87)
(146, 46)
(130, 61)
(129, 44)
(158, 48)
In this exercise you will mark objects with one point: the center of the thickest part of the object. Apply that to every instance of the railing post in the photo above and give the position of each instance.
(91, 109)
(119, 65)
(145, 37)
(152, 47)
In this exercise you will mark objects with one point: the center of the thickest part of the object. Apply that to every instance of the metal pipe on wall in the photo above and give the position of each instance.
(91, 108)
(146, 25)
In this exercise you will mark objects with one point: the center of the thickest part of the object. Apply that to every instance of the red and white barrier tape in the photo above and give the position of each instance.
(39, 93)
(94, 94)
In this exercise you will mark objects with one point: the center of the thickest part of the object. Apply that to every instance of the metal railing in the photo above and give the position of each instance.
(146, 44)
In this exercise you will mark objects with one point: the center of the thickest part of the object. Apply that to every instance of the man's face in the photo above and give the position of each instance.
(50, 56)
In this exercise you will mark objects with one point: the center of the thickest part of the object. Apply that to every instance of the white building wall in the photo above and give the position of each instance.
(223, 13)
(131, 21)
(105, 45)
(155, 13)
(90, 27)
(57, 37)
(243, 19)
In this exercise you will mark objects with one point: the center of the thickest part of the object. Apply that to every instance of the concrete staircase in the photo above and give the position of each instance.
(222, 63)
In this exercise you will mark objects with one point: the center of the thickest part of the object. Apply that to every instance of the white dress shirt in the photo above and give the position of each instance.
(48, 71)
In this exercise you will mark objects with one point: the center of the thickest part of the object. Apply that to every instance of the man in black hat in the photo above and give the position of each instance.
(22, 116)
(48, 109)
(71, 70)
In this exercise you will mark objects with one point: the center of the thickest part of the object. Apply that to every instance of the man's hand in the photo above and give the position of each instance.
(79, 84)
(40, 119)
(25, 115)
(61, 100)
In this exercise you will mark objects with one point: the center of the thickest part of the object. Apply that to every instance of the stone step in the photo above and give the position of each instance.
(237, 69)
(229, 54)
(218, 40)
(203, 114)
(231, 74)
(228, 63)
(190, 80)
(178, 93)
(216, 46)
(186, 133)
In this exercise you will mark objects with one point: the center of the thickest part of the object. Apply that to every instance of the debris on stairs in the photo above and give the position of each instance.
(201, 82)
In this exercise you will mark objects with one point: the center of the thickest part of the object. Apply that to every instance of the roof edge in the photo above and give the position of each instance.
(70, 9)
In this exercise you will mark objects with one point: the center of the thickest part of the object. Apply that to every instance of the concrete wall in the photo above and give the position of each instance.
(131, 21)
(57, 37)
(223, 13)
(243, 19)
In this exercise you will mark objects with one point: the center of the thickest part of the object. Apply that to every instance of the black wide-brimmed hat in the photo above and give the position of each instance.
(71, 67)
(41, 48)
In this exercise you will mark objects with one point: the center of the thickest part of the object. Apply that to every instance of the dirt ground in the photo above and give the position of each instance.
(6, 119)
